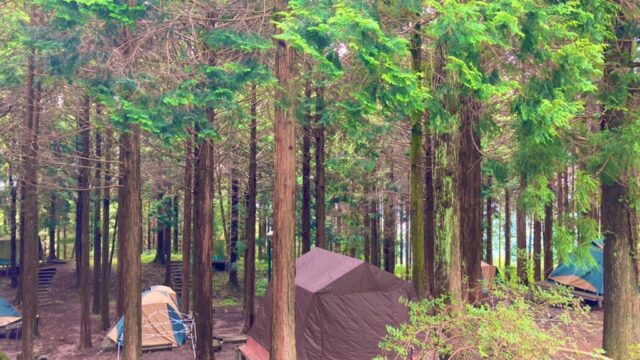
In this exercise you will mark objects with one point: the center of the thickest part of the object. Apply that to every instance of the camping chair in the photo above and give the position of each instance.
(45, 278)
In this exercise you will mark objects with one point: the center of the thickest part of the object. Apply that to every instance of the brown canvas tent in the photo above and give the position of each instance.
(343, 306)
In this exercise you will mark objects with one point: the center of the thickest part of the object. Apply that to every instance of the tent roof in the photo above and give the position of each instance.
(319, 268)
(577, 274)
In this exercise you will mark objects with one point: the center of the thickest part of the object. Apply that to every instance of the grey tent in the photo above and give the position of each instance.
(343, 306)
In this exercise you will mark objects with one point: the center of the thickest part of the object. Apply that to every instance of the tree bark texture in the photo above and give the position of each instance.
(447, 254)
(233, 283)
(283, 345)
(489, 226)
(203, 232)
(250, 226)
(97, 234)
(106, 203)
(187, 220)
(29, 257)
(84, 202)
(416, 176)
(470, 175)
(537, 249)
(521, 237)
(305, 220)
(320, 173)
(621, 308)
(390, 223)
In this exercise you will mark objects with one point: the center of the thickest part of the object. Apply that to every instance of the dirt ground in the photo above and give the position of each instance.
(60, 322)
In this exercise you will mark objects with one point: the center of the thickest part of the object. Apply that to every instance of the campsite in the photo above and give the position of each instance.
(319, 179)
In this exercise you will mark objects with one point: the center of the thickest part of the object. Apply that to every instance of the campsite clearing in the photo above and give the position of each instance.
(59, 322)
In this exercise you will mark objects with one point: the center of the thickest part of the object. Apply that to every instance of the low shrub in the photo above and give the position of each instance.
(515, 322)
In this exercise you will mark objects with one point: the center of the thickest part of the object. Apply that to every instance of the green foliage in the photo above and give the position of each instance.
(518, 323)
(225, 38)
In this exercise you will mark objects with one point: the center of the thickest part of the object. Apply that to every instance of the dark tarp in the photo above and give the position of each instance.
(343, 306)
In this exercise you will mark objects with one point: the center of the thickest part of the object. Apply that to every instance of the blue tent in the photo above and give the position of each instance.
(8, 314)
(581, 274)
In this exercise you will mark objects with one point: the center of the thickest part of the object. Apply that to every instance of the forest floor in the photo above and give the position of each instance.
(59, 322)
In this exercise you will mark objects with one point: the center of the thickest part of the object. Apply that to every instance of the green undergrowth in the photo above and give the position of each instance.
(514, 322)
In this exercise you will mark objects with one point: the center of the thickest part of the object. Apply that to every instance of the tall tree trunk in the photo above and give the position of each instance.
(407, 243)
(283, 344)
(84, 203)
(548, 239)
(130, 233)
(203, 231)
(373, 228)
(565, 201)
(175, 222)
(77, 244)
(222, 215)
(521, 236)
(507, 230)
(390, 223)
(447, 252)
(106, 266)
(160, 233)
(119, 236)
(52, 225)
(305, 220)
(97, 234)
(167, 208)
(28, 268)
(250, 226)
(12, 219)
(470, 166)
(58, 240)
(149, 226)
(319, 179)
(233, 283)
(619, 223)
(447, 222)
(21, 236)
(130, 238)
(560, 198)
(489, 225)
(64, 247)
(262, 231)
(429, 228)
(537, 249)
(367, 226)
(416, 176)
(186, 225)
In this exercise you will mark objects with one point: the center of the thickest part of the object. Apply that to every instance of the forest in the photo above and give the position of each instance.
(319, 179)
